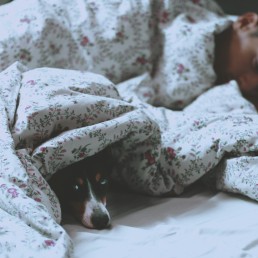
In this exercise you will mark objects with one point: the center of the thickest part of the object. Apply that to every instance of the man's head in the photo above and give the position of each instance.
(238, 55)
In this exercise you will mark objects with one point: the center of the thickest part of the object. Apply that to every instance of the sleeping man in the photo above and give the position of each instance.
(200, 50)
(236, 55)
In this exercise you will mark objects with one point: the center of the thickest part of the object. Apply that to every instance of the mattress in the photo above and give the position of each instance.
(200, 223)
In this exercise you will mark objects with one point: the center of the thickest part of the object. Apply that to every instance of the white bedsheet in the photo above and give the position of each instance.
(198, 224)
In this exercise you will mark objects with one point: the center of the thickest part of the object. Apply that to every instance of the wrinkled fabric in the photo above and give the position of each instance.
(62, 116)
(53, 117)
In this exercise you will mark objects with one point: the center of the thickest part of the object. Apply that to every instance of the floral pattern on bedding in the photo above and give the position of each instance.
(27, 225)
(108, 37)
(193, 142)
(52, 117)
(62, 116)
(184, 69)
(119, 39)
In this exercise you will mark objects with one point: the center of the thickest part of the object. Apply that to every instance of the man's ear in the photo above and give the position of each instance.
(246, 23)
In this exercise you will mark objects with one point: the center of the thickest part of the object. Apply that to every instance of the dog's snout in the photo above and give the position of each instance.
(100, 220)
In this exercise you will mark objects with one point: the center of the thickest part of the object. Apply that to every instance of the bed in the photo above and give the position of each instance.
(199, 224)
(81, 76)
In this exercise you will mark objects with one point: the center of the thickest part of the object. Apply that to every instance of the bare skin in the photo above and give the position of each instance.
(236, 56)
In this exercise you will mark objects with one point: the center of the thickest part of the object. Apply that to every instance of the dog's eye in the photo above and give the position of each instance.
(103, 182)
(102, 186)
(76, 187)
(78, 192)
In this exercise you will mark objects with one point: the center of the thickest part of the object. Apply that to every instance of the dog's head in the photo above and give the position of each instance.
(82, 188)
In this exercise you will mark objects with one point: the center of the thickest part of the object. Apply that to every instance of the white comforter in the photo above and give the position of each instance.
(53, 117)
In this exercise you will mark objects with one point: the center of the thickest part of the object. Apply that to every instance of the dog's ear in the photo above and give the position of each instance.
(56, 184)
(59, 180)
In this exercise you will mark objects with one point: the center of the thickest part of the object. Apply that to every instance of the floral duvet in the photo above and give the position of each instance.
(80, 86)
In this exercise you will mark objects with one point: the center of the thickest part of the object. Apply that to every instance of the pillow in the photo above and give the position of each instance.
(226, 98)
(185, 69)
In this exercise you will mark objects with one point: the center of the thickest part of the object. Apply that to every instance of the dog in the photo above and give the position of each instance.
(82, 190)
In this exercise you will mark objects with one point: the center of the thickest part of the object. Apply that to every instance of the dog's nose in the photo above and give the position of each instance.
(100, 220)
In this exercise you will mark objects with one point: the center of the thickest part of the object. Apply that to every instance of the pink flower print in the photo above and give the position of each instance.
(196, 1)
(150, 158)
(180, 68)
(54, 49)
(171, 153)
(27, 107)
(81, 154)
(141, 60)
(37, 199)
(31, 82)
(196, 123)
(179, 103)
(22, 185)
(25, 20)
(147, 94)
(24, 55)
(3, 186)
(191, 19)
(49, 242)
(13, 192)
(85, 41)
(164, 17)
(120, 34)
(43, 149)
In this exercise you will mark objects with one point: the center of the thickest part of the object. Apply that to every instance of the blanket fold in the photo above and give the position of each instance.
(53, 117)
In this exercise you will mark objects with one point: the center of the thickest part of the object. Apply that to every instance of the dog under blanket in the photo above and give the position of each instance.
(157, 151)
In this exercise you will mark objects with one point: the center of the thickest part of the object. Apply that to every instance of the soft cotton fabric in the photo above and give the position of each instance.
(52, 117)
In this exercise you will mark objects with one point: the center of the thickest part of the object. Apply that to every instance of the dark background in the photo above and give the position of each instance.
(238, 6)
(229, 6)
